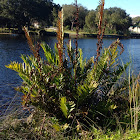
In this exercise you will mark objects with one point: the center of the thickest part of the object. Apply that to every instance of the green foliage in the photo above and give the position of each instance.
(50, 57)
(136, 21)
(63, 106)
(90, 21)
(31, 128)
(66, 107)
(128, 135)
(69, 15)
(117, 20)
(20, 13)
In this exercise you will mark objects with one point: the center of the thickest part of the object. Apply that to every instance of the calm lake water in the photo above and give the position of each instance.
(12, 46)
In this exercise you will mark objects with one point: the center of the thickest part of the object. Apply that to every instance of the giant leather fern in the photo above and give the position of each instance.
(70, 86)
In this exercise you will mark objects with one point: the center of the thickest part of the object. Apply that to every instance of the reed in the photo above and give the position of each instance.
(134, 100)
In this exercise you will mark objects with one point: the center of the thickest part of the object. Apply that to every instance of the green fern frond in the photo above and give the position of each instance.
(25, 78)
(25, 59)
(50, 57)
(14, 66)
(113, 56)
(24, 89)
(56, 54)
(83, 90)
(81, 61)
(96, 72)
(70, 52)
(63, 106)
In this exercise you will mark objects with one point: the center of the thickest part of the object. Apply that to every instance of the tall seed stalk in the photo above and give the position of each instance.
(77, 26)
(101, 30)
(77, 35)
(60, 37)
(34, 48)
(130, 101)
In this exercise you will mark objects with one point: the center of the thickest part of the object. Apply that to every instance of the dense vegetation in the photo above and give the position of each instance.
(136, 21)
(89, 19)
(15, 14)
(19, 13)
(75, 98)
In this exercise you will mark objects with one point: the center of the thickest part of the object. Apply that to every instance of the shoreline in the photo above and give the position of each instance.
(81, 35)
(6, 33)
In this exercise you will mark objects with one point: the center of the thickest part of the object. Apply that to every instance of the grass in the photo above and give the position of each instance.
(30, 124)
(30, 127)
(128, 135)
(5, 30)
(33, 31)
(72, 32)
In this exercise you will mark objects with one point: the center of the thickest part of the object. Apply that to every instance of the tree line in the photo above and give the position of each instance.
(116, 20)
(17, 13)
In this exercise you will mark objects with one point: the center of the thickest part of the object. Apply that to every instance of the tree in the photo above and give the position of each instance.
(82, 15)
(55, 10)
(117, 20)
(90, 21)
(22, 13)
(136, 21)
(69, 11)
(69, 15)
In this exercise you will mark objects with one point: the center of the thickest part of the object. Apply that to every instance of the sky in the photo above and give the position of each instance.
(132, 7)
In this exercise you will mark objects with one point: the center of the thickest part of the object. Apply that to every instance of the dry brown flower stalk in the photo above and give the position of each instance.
(117, 42)
(34, 48)
(60, 36)
(100, 30)
(77, 34)
(77, 26)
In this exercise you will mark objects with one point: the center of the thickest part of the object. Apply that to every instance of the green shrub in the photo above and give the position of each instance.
(74, 91)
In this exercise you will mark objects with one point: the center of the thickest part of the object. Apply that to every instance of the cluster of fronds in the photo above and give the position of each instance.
(53, 90)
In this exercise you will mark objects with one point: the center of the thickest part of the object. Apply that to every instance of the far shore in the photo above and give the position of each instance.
(6, 33)
(72, 34)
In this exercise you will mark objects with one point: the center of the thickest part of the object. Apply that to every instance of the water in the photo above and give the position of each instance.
(12, 46)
